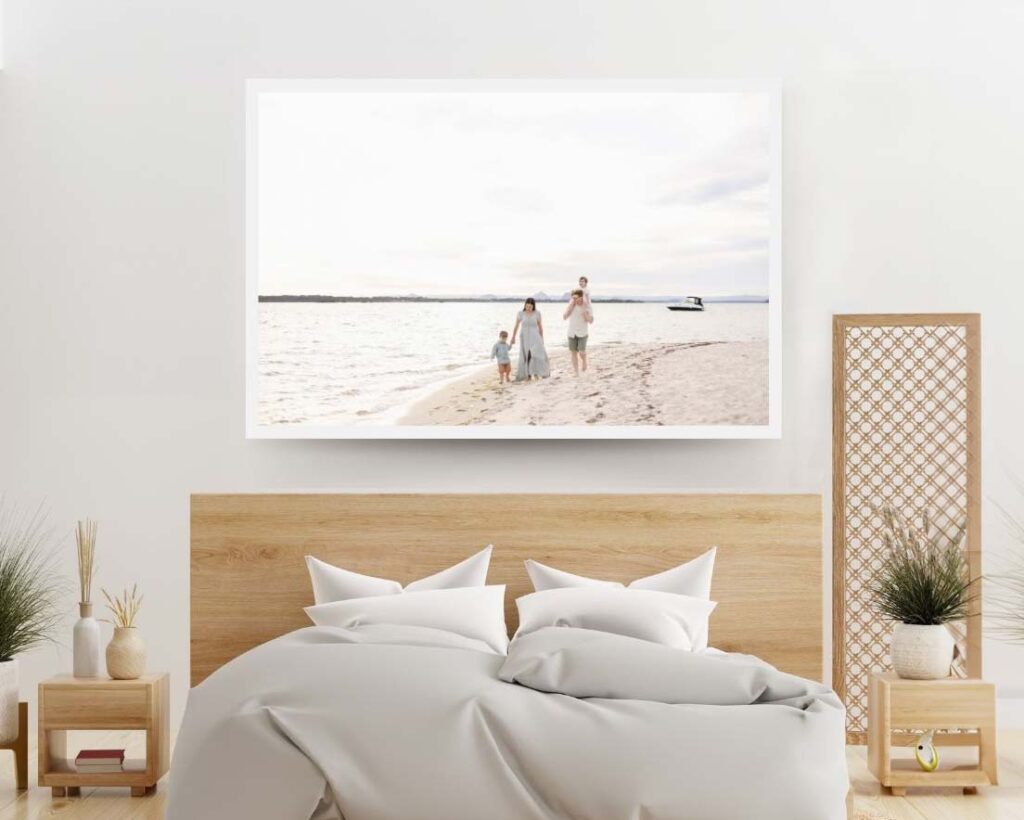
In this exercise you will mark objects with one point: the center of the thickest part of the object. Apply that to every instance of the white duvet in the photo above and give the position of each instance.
(401, 723)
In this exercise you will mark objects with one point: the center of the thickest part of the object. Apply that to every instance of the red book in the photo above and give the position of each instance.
(100, 756)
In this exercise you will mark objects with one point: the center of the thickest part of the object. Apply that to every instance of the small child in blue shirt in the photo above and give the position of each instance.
(500, 352)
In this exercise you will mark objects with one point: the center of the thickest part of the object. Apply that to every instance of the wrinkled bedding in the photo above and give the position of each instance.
(402, 723)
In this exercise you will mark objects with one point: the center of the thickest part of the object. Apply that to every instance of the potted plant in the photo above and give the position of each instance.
(923, 584)
(29, 593)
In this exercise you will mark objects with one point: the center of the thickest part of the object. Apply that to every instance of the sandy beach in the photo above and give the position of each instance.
(686, 383)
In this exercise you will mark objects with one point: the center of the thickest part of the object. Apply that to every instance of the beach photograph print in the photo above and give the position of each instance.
(549, 259)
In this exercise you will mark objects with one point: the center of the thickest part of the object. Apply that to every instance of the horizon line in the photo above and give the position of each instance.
(322, 297)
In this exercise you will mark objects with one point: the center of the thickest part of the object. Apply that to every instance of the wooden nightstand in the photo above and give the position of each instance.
(898, 709)
(67, 703)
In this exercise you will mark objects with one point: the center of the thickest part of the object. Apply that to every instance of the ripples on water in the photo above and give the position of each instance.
(365, 363)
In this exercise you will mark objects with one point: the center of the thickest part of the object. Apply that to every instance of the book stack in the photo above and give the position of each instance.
(95, 761)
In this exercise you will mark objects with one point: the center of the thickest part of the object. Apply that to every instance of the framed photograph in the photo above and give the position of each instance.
(513, 259)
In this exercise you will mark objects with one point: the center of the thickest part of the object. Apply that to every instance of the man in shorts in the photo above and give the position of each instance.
(580, 317)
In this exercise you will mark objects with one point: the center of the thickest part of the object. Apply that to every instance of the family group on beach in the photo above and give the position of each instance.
(529, 327)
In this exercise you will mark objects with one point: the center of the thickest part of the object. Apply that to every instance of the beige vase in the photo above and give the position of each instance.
(8, 700)
(126, 654)
(921, 652)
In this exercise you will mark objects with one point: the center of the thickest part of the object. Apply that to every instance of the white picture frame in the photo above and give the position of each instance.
(256, 430)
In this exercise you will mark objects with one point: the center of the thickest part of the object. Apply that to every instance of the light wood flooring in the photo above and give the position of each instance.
(1003, 802)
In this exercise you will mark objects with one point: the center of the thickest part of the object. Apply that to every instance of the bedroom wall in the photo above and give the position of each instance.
(121, 243)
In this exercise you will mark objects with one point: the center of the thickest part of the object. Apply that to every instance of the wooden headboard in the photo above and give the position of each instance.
(249, 579)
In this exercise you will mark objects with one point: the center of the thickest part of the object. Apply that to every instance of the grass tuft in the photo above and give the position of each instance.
(1004, 605)
(924, 578)
(30, 587)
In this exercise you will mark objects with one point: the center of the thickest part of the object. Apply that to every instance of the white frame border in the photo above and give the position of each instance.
(772, 430)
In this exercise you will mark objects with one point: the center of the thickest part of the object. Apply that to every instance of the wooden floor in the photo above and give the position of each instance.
(1004, 802)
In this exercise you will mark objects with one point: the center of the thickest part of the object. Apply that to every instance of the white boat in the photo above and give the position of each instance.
(691, 303)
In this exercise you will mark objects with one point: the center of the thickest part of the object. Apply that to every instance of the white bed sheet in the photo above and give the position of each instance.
(401, 723)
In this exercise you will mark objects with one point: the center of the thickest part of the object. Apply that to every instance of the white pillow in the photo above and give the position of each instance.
(332, 583)
(667, 618)
(473, 612)
(692, 578)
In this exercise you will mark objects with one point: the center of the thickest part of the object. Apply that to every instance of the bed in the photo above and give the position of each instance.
(288, 720)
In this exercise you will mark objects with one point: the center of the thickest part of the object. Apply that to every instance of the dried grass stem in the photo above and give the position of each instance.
(124, 608)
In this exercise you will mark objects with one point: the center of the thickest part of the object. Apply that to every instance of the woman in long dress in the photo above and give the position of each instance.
(533, 357)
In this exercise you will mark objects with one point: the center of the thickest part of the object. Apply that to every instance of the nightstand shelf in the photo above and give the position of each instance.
(73, 704)
(899, 708)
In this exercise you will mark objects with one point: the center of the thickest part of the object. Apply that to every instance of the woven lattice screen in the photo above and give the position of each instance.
(906, 422)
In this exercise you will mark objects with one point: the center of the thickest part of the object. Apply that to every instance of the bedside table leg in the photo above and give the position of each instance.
(987, 759)
(897, 791)
(74, 791)
(21, 747)
(970, 789)
(58, 791)
(139, 791)
(21, 769)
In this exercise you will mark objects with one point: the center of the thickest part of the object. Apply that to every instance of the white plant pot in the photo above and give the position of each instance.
(126, 654)
(921, 652)
(8, 700)
(86, 654)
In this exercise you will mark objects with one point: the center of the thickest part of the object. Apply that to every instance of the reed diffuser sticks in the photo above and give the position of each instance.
(85, 535)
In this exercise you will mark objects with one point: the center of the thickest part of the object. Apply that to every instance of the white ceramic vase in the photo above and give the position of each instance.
(922, 652)
(126, 654)
(8, 700)
(86, 652)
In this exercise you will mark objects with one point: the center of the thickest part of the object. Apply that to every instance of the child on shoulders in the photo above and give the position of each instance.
(584, 285)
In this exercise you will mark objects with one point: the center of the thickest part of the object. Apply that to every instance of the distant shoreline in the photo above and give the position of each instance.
(317, 298)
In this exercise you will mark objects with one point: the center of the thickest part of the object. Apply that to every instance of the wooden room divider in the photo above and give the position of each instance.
(906, 422)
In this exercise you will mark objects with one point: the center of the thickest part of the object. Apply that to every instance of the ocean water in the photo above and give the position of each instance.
(366, 363)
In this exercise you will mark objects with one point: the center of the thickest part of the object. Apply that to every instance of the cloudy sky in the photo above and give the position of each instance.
(511, 193)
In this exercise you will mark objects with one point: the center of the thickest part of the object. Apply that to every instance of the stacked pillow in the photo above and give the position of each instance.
(454, 600)
(670, 608)
(332, 583)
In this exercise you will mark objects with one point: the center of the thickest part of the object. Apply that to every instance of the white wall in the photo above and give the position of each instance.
(121, 241)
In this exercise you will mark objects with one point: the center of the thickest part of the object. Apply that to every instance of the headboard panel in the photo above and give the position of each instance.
(249, 580)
